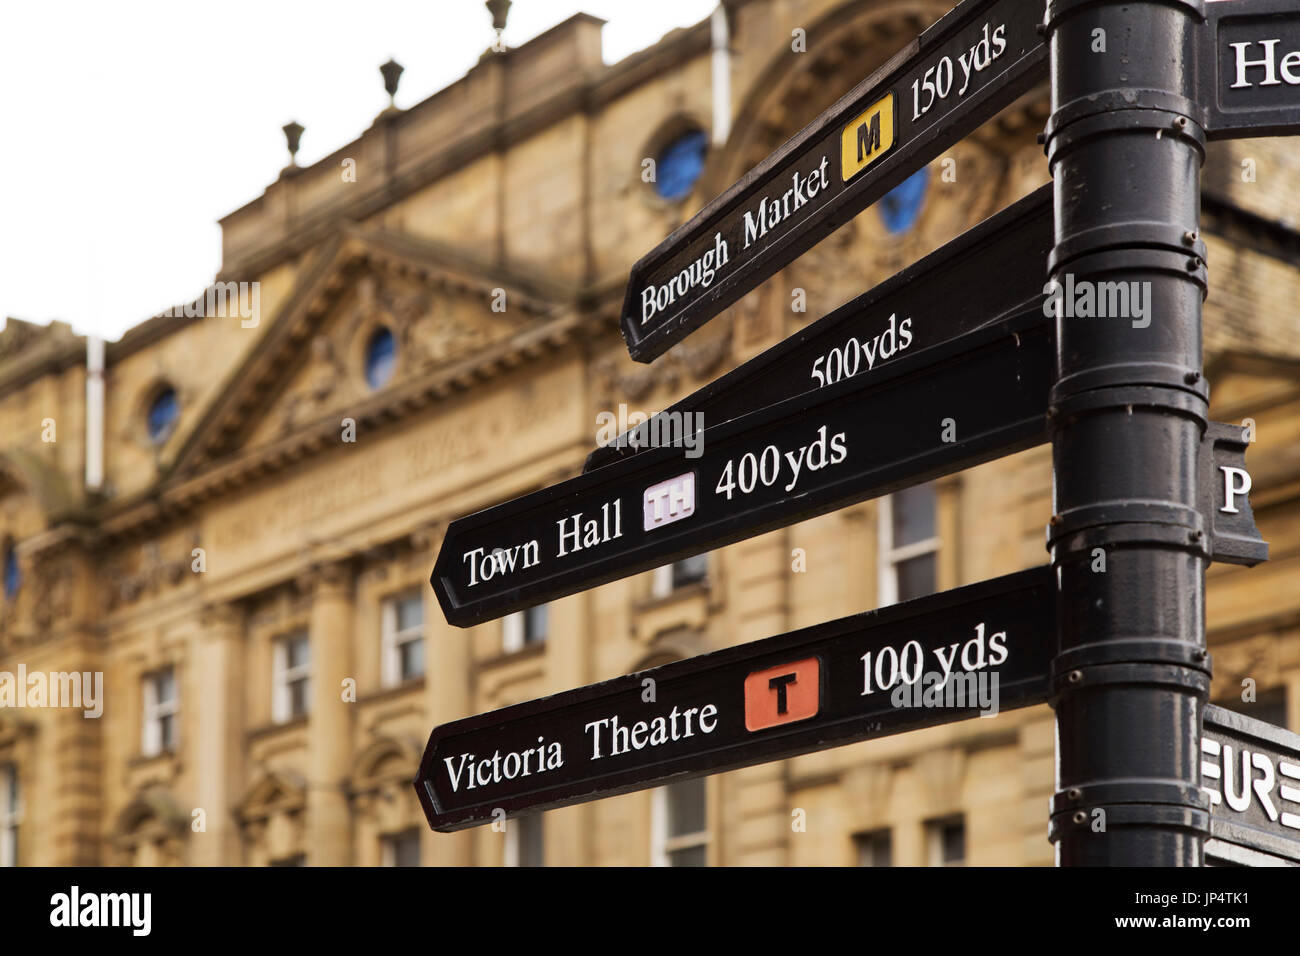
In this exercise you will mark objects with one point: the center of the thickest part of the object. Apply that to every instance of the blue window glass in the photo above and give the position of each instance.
(901, 206)
(680, 164)
(163, 411)
(13, 577)
(381, 357)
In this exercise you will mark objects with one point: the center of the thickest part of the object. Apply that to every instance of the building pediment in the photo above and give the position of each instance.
(442, 307)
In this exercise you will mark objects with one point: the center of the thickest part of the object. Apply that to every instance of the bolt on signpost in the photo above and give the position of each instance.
(1147, 490)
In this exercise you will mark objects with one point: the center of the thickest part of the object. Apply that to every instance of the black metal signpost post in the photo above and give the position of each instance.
(1127, 415)
(1147, 490)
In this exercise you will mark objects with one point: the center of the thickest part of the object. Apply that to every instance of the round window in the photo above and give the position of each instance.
(680, 163)
(381, 357)
(13, 577)
(901, 206)
(163, 412)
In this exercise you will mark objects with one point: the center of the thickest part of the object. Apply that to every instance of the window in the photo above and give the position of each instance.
(680, 163)
(901, 206)
(875, 848)
(292, 677)
(403, 638)
(524, 627)
(11, 814)
(381, 357)
(946, 842)
(671, 577)
(162, 414)
(908, 545)
(525, 841)
(160, 706)
(402, 849)
(13, 576)
(679, 824)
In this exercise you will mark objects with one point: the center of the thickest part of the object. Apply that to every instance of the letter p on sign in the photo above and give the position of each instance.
(1236, 483)
(783, 695)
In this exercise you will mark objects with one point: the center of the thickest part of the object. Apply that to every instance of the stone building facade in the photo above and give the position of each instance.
(435, 329)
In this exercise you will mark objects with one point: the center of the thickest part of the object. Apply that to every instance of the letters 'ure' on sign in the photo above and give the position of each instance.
(974, 650)
(932, 301)
(1250, 68)
(858, 438)
(963, 70)
(1251, 771)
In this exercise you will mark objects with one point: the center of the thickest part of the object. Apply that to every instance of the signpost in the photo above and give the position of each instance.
(858, 438)
(944, 295)
(961, 358)
(951, 656)
(962, 71)
(1250, 771)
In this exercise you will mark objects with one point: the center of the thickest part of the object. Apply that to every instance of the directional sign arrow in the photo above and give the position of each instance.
(1249, 80)
(979, 649)
(1251, 771)
(944, 295)
(966, 401)
(963, 70)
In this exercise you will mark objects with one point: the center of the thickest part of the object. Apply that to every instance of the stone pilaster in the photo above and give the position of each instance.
(329, 738)
(753, 828)
(568, 830)
(447, 697)
(219, 740)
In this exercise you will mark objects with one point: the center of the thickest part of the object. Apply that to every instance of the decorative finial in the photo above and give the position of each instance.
(392, 71)
(293, 133)
(499, 9)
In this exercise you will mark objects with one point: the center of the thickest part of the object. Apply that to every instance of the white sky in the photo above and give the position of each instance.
(128, 127)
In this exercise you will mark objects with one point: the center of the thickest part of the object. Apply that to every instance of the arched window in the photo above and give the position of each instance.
(680, 163)
(13, 576)
(381, 357)
(901, 206)
(161, 416)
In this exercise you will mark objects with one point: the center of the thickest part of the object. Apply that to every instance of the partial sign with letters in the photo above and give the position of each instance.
(1250, 68)
(1251, 772)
